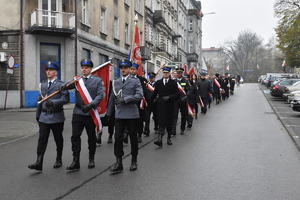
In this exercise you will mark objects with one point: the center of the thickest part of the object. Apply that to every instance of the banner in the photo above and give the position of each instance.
(191, 71)
(103, 71)
(136, 57)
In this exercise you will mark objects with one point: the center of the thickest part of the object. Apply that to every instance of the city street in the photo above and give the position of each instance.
(238, 150)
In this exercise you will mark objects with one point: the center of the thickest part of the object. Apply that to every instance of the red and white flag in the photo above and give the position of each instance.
(136, 57)
(143, 103)
(103, 71)
(227, 68)
(190, 109)
(191, 71)
(283, 63)
(257, 66)
(185, 67)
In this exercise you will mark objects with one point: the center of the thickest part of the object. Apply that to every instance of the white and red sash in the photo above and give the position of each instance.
(190, 109)
(201, 102)
(86, 97)
(217, 83)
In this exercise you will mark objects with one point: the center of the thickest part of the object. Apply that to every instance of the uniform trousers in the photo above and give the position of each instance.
(182, 107)
(149, 110)
(44, 131)
(120, 125)
(79, 122)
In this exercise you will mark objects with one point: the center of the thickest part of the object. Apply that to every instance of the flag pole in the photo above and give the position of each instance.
(99, 67)
(133, 37)
(160, 67)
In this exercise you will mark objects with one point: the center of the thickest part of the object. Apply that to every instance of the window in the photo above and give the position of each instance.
(191, 25)
(102, 59)
(116, 27)
(84, 11)
(190, 47)
(138, 6)
(127, 2)
(48, 52)
(103, 20)
(127, 34)
(85, 54)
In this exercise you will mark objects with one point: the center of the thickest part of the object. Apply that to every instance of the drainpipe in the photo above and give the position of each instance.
(76, 42)
(21, 54)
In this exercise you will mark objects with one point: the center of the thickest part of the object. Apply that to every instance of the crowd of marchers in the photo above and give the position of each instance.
(134, 102)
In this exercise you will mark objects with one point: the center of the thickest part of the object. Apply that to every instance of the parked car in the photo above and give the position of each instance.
(278, 87)
(293, 95)
(261, 78)
(289, 89)
(295, 104)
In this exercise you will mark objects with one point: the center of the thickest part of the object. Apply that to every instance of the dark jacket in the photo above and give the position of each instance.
(203, 88)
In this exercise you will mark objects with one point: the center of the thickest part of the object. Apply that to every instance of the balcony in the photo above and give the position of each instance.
(145, 53)
(46, 22)
(159, 16)
(192, 57)
(160, 50)
(195, 12)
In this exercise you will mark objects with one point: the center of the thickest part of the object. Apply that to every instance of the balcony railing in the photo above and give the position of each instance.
(45, 21)
(192, 57)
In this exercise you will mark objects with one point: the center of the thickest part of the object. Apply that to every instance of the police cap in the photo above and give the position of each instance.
(87, 62)
(52, 65)
(125, 63)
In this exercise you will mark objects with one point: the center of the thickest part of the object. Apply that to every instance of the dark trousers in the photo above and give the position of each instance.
(150, 110)
(161, 131)
(182, 107)
(205, 102)
(44, 131)
(79, 122)
(120, 125)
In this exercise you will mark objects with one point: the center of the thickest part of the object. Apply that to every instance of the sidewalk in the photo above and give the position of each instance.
(11, 131)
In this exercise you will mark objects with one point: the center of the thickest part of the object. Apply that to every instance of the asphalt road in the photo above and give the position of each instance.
(238, 150)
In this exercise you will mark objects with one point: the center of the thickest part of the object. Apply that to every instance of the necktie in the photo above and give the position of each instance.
(123, 80)
(85, 79)
(49, 84)
(166, 81)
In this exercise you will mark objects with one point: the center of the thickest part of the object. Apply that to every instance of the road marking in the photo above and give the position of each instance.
(267, 91)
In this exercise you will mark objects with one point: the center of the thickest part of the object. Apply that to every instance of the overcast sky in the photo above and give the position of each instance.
(234, 16)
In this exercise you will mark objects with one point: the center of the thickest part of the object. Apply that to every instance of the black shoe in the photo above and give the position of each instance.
(196, 116)
(182, 132)
(133, 166)
(99, 141)
(158, 142)
(57, 164)
(189, 125)
(146, 132)
(139, 139)
(38, 165)
(173, 133)
(118, 167)
(91, 164)
(109, 140)
(75, 164)
(169, 142)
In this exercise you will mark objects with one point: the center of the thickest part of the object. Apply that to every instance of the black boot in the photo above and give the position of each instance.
(133, 166)
(158, 142)
(146, 132)
(38, 165)
(99, 141)
(75, 164)
(118, 166)
(169, 142)
(91, 162)
(58, 162)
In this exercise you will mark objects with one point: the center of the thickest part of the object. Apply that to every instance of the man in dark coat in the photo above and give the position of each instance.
(203, 90)
(50, 116)
(217, 87)
(150, 108)
(165, 93)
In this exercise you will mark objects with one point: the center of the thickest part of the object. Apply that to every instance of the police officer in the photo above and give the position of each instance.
(165, 94)
(81, 116)
(151, 107)
(50, 116)
(180, 103)
(127, 92)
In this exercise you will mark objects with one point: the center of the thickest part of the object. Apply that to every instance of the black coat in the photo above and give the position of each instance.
(165, 109)
(203, 88)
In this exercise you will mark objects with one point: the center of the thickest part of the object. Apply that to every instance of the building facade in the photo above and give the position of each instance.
(65, 32)
(214, 59)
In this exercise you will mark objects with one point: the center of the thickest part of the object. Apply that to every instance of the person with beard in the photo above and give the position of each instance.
(165, 93)
(203, 91)
(150, 108)
(180, 103)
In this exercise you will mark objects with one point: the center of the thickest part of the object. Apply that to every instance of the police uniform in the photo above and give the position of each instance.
(180, 103)
(150, 108)
(127, 92)
(50, 116)
(165, 94)
(81, 117)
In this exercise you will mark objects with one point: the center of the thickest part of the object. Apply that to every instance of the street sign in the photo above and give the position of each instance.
(11, 62)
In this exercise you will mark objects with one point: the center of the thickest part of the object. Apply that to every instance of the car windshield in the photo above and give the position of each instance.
(296, 83)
